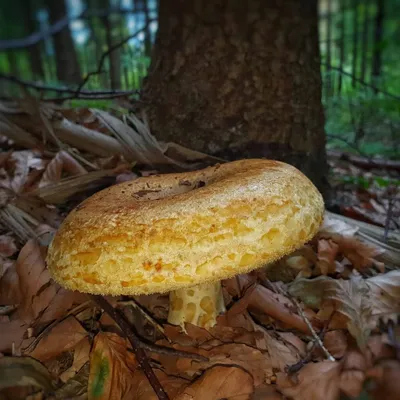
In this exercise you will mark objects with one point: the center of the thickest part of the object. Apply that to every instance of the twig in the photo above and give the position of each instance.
(137, 347)
(362, 82)
(312, 330)
(138, 307)
(153, 348)
(103, 57)
(291, 369)
(89, 94)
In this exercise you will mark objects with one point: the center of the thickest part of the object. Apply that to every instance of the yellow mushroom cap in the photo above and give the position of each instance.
(165, 232)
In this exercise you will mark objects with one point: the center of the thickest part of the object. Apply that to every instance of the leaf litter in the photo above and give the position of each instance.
(342, 287)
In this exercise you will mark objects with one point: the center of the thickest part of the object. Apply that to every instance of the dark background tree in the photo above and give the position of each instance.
(68, 69)
(239, 79)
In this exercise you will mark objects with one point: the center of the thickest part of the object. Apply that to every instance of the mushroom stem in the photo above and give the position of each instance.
(198, 305)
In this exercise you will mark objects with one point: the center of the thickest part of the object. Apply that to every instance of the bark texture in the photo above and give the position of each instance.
(68, 69)
(239, 79)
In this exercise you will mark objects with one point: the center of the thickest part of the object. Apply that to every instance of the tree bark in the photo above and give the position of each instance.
(341, 42)
(115, 55)
(67, 65)
(35, 58)
(378, 36)
(239, 79)
(355, 42)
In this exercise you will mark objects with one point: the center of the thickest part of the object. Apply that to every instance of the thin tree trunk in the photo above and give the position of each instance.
(35, 57)
(147, 37)
(364, 41)
(342, 42)
(378, 36)
(239, 79)
(68, 70)
(97, 39)
(329, 49)
(115, 55)
(355, 42)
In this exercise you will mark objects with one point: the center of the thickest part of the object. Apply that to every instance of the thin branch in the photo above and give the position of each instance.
(366, 84)
(140, 353)
(99, 69)
(65, 90)
(38, 36)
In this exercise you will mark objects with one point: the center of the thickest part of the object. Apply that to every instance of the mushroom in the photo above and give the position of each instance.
(183, 233)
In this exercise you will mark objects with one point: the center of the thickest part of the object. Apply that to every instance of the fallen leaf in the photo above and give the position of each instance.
(349, 297)
(75, 386)
(24, 371)
(12, 334)
(7, 246)
(33, 275)
(143, 390)
(361, 255)
(220, 383)
(315, 381)
(386, 379)
(327, 252)
(62, 161)
(254, 361)
(81, 357)
(111, 368)
(61, 337)
(10, 292)
(385, 293)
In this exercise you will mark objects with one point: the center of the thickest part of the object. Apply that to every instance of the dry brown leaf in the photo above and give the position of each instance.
(61, 302)
(256, 362)
(385, 294)
(361, 255)
(111, 368)
(266, 301)
(315, 381)
(386, 379)
(336, 343)
(62, 161)
(61, 337)
(220, 383)
(81, 357)
(327, 252)
(350, 298)
(33, 275)
(171, 384)
(9, 287)
(12, 334)
(7, 246)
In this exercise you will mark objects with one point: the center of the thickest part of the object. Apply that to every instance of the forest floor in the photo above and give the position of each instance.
(322, 323)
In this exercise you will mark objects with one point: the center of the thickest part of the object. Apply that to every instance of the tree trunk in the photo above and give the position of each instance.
(378, 36)
(364, 43)
(115, 55)
(35, 58)
(341, 42)
(355, 42)
(67, 65)
(239, 79)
